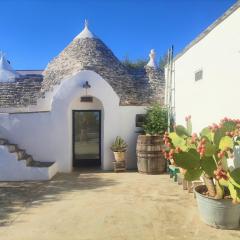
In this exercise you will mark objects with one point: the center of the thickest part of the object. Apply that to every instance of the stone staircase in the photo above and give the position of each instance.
(20, 166)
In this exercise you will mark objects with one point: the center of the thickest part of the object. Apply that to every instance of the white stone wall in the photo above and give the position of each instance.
(11, 169)
(128, 131)
(48, 135)
(217, 94)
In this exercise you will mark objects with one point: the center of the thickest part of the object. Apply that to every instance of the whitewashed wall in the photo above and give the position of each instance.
(218, 93)
(128, 131)
(47, 136)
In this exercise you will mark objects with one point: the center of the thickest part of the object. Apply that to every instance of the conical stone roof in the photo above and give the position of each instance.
(90, 53)
(87, 52)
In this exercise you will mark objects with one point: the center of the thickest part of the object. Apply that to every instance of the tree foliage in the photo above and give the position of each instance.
(140, 63)
(156, 120)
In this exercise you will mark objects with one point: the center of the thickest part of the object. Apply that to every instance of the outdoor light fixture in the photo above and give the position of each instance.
(86, 98)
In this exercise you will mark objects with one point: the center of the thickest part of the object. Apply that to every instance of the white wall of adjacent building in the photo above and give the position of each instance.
(47, 136)
(218, 93)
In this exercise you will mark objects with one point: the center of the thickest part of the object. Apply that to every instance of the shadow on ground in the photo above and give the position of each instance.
(16, 196)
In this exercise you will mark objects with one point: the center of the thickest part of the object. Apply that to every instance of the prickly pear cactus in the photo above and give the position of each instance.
(207, 154)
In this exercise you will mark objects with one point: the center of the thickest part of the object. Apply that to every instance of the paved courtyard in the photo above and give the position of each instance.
(102, 205)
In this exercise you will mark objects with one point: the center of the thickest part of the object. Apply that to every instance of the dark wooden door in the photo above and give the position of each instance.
(86, 138)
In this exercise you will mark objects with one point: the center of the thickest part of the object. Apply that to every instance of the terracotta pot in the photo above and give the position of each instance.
(119, 156)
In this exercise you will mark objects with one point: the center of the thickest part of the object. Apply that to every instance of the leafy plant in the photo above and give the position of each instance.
(137, 64)
(207, 155)
(119, 145)
(156, 121)
(141, 63)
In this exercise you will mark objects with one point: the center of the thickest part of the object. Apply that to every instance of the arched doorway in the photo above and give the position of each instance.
(86, 133)
(68, 99)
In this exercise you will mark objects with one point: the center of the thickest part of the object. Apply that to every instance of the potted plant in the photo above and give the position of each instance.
(149, 155)
(119, 147)
(208, 155)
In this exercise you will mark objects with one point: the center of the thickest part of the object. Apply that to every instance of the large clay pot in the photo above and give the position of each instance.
(119, 156)
(150, 159)
(218, 213)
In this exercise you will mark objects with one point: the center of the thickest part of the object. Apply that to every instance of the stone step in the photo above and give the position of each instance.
(21, 154)
(40, 164)
(12, 148)
(41, 170)
(3, 141)
(28, 159)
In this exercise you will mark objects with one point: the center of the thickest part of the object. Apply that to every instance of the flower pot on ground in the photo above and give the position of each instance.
(119, 148)
(150, 159)
(119, 156)
(219, 213)
(207, 155)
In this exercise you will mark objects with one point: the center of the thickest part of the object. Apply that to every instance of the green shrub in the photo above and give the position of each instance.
(156, 121)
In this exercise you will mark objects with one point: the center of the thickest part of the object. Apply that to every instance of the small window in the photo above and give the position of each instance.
(199, 75)
(140, 118)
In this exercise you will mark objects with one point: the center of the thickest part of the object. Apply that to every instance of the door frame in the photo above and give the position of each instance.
(100, 133)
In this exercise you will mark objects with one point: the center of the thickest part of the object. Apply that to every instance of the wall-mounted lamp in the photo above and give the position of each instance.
(86, 98)
(86, 85)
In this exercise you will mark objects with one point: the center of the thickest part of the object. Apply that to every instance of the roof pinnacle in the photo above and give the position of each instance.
(86, 23)
(2, 54)
(86, 33)
(152, 62)
(7, 74)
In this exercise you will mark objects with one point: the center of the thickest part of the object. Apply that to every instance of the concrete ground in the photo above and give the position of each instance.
(102, 206)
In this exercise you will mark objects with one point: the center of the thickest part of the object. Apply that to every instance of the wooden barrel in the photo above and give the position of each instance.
(150, 160)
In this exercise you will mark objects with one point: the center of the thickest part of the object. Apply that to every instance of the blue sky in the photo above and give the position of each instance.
(32, 32)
